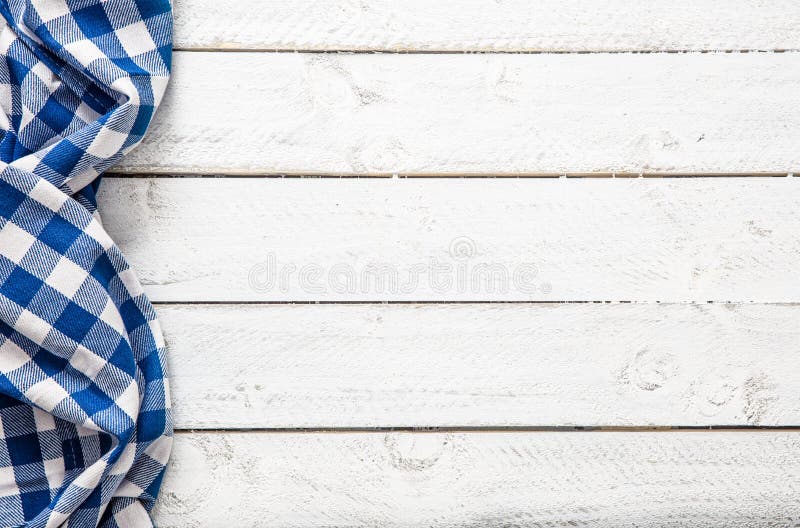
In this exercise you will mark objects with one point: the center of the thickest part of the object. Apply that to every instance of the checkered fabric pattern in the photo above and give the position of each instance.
(85, 424)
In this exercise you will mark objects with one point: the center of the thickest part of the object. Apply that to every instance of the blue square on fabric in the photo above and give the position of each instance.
(97, 100)
(9, 388)
(50, 363)
(166, 55)
(103, 270)
(143, 117)
(21, 286)
(55, 115)
(92, 399)
(94, 500)
(131, 315)
(8, 401)
(104, 441)
(63, 157)
(151, 367)
(43, 32)
(24, 449)
(17, 71)
(93, 20)
(122, 358)
(155, 486)
(10, 200)
(151, 8)
(127, 64)
(17, 421)
(150, 425)
(33, 502)
(75, 322)
(73, 453)
(59, 234)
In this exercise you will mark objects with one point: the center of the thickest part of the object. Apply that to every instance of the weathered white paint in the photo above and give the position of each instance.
(254, 113)
(644, 239)
(483, 25)
(483, 480)
(287, 366)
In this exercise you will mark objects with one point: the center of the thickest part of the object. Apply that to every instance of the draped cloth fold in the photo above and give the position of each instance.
(85, 423)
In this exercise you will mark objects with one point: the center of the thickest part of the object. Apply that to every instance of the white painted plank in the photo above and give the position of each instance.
(486, 480)
(253, 113)
(644, 239)
(309, 366)
(483, 25)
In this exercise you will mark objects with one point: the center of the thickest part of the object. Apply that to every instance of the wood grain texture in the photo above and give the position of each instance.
(307, 366)
(482, 25)
(486, 480)
(255, 113)
(283, 240)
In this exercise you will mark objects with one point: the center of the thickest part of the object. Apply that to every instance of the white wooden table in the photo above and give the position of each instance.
(605, 343)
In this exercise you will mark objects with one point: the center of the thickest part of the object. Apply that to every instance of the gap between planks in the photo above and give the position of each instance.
(495, 429)
(404, 302)
(607, 175)
(366, 51)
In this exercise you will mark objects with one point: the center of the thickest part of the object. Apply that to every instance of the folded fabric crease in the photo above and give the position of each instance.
(85, 422)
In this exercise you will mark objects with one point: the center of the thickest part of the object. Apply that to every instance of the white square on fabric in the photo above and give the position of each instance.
(52, 9)
(67, 277)
(158, 335)
(29, 163)
(110, 315)
(87, 362)
(47, 194)
(8, 483)
(128, 401)
(46, 394)
(54, 471)
(34, 327)
(86, 113)
(56, 519)
(12, 357)
(131, 282)
(47, 76)
(160, 449)
(123, 463)
(95, 230)
(88, 428)
(125, 86)
(15, 242)
(85, 51)
(7, 38)
(90, 477)
(128, 489)
(28, 115)
(44, 421)
(133, 514)
(107, 143)
(5, 102)
(135, 39)
(160, 88)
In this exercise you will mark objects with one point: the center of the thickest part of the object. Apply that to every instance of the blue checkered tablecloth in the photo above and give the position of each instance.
(85, 426)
